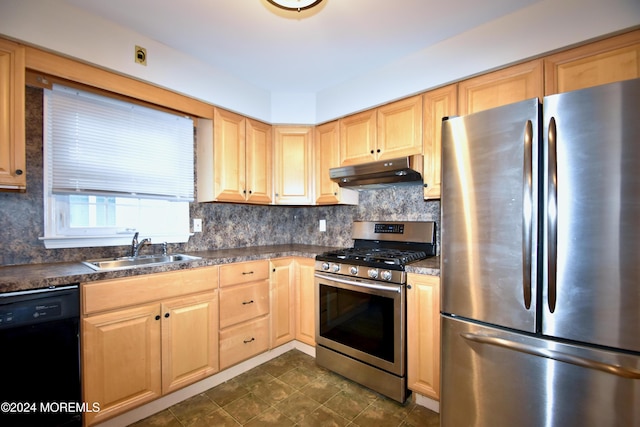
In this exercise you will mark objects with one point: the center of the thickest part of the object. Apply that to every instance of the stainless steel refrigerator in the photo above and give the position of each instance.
(541, 262)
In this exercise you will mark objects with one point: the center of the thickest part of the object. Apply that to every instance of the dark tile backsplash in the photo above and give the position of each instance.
(225, 225)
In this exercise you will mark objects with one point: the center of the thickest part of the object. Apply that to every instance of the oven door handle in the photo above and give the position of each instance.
(389, 288)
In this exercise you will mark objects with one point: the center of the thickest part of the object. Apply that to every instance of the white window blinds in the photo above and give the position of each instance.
(100, 145)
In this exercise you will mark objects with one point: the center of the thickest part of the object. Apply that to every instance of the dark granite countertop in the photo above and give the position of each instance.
(429, 266)
(36, 276)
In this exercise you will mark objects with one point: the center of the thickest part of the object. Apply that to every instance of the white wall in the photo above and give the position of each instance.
(544, 26)
(59, 27)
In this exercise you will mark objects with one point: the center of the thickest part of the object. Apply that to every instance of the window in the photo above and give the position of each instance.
(113, 168)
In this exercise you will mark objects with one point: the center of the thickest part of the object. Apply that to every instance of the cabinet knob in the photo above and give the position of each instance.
(408, 286)
(166, 315)
(378, 150)
(19, 172)
(371, 151)
(158, 317)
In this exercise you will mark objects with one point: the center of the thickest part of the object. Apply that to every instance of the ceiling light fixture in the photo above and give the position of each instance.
(294, 4)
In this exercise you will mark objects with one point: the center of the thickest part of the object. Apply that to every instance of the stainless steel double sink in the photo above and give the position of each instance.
(121, 263)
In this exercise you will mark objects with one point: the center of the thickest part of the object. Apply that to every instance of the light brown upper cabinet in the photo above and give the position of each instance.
(501, 87)
(399, 126)
(234, 159)
(393, 130)
(606, 61)
(327, 155)
(439, 103)
(293, 165)
(13, 175)
(358, 138)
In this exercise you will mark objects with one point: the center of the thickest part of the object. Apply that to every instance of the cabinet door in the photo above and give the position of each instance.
(607, 61)
(423, 334)
(121, 360)
(294, 167)
(189, 340)
(306, 302)
(283, 276)
(399, 128)
(327, 156)
(438, 103)
(259, 157)
(358, 138)
(12, 117)
(502, 87)
(229, 132)
(326, 142)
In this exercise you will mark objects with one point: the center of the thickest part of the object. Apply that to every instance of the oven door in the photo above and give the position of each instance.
(362, 319)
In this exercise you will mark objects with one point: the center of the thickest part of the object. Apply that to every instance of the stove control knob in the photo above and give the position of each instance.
(353, 270)
(386, 275)
(325, 266)
(373, 273)
(335, 267)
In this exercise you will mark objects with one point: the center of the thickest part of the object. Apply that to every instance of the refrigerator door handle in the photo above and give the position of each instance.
(552, 215)
(617, 370)
(527, 213)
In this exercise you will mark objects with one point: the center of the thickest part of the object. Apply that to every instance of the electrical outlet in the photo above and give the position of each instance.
(323, 225)
(141, 55)
(197, 225)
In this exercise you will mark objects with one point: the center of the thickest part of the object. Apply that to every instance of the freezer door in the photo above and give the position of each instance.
(489, 215)
(495, 378)
(591, 288)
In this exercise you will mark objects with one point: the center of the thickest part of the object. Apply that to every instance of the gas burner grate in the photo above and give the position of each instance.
(377, 255)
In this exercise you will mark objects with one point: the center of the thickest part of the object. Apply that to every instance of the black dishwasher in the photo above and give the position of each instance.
(39, 356)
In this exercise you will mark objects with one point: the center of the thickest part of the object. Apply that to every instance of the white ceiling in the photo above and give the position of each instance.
(299, 52)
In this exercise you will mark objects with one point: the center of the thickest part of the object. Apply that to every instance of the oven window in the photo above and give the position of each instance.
(358, 320)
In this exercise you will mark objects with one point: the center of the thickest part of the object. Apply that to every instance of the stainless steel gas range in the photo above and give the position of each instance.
(361, 303)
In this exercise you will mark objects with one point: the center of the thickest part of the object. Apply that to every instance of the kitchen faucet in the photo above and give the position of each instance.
(135, 246)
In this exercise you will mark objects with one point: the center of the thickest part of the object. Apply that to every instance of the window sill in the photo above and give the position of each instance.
(95, 241)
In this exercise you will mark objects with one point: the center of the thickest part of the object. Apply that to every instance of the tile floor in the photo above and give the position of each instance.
(291, 390)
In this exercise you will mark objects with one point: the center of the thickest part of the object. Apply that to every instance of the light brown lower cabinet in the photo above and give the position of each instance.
(244, 311)
(283, 285)
(305, 302)
(135, 354)
(292, 301)
(423, 334)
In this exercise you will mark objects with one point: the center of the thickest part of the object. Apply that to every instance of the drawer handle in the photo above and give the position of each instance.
(248, 341)
(247, 272)
(247, 302)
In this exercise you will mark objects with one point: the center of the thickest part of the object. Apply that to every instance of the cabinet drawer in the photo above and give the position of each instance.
(243, 302)
(243, 272)
(243, 341)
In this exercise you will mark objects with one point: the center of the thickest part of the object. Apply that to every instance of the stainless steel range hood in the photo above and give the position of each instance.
(380, 174)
